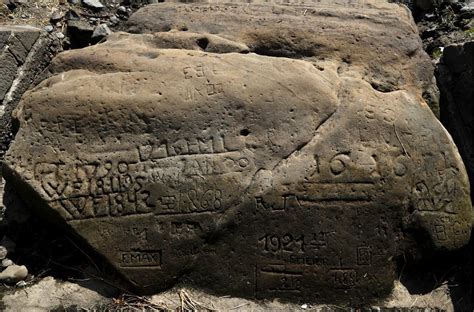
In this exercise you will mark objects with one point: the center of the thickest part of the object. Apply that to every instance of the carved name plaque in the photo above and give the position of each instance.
(241, 174)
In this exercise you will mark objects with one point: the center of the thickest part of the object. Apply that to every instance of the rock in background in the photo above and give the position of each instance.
(25, 52)
(455, 74)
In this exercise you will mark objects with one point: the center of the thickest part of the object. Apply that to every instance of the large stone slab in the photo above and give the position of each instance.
(239, 173)
(25, 51)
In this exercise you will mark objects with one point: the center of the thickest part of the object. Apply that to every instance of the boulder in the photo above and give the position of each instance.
(180, 157)
(455, 73)
(25, 52)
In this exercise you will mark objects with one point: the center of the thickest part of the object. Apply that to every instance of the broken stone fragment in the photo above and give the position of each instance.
(172, 155)
(101, 32)
(93, 4)
(56, 16)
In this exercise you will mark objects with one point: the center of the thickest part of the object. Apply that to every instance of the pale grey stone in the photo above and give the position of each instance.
(94, 4)
(13, 274)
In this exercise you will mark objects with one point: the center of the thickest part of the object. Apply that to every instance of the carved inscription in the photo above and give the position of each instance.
(448, 226)
(140, 259)
(185, 228)
(116, 189)
(294, 243)
(364, 256)
(244, 174)
(128, 184)
(192, 201)
(436, 197)
(204, 86)
(199, 71)
(297, 249)
(277, 278)
(319, 194)
(189, 146)
(343, 167)
(344, 278)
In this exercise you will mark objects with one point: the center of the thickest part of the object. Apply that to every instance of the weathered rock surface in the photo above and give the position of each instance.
(378, 38)
(24, 52)
(246, 174)
(455, 74)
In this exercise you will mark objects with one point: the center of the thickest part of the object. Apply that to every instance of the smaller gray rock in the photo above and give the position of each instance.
(122, 10)
(468, 7)
(101, 31)
(56, 17)
(93, 4)
(72, 15)
(73, 1)
(60, 35)
(48, 28)
(114, 19)
(3, 252)
(13, 274)
(6, 263)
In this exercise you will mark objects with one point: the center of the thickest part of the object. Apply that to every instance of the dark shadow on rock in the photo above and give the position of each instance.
(454, 268)
(47, 250)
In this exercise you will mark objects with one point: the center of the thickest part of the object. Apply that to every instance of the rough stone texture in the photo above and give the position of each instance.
(455, 74)
(24, 52)
(246, 174)
(378, 38)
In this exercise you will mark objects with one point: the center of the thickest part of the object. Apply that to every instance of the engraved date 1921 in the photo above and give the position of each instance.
(292, 243)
